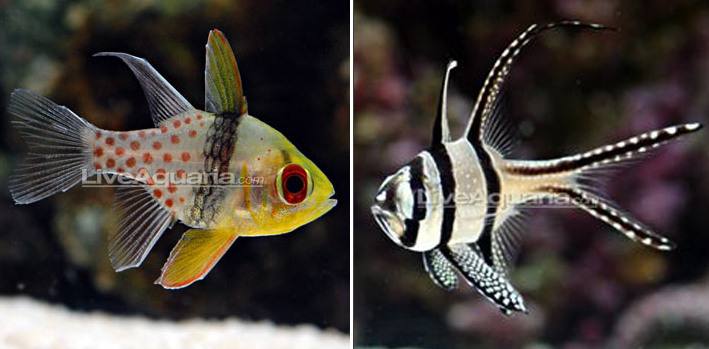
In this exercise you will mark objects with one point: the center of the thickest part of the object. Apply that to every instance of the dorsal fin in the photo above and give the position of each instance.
(480, 119)
(164, 101)
(441, 132)
(223, 90)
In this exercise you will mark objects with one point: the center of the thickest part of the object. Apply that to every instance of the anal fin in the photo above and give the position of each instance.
(484, 278)
(194, 256)
(440, 270)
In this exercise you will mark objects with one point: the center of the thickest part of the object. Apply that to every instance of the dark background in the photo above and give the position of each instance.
(294, 61)
(586, 286)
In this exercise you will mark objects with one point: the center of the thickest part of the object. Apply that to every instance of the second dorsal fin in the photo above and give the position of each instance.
(223, 90)
(164, 101)
(441, 132)
(489, 96)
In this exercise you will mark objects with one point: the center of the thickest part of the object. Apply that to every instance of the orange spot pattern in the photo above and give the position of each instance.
(120, 151)
(110, 163)
(157, 145)
(110, 141)
(185, 156)
(167, 157)
(135, 145)
(175, 139)
(147, 158)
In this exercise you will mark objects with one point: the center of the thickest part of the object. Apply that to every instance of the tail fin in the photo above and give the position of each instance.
(603, 157)
(59, 142)
(573, 170)
(613, 216)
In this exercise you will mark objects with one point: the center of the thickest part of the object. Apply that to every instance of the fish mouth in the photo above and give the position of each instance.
(386, 221)
(326, 205)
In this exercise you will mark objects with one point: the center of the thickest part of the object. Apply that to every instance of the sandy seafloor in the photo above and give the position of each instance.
(28, 324)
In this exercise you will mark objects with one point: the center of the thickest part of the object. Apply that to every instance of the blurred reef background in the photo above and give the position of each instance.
(294, 62)
(586, 286)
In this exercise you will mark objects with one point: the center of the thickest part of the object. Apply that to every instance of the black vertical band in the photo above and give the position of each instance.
(445, 171)
(411, 226)
(217, 151)
(492, 183)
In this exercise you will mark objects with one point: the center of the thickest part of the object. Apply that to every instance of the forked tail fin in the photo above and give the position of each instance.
(570, 173)
(602, 157)
(613, 216)
(59, 143)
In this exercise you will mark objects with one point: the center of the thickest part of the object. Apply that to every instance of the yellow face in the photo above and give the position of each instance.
(301, 192)
(294, 190)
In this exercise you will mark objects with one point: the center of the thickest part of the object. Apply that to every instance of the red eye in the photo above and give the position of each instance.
(292, 184)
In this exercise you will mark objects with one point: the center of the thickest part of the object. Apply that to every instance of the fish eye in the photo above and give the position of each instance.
(293, 184)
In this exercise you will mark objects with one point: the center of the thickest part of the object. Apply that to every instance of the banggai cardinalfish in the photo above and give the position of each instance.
(220, 171)
(457, 201)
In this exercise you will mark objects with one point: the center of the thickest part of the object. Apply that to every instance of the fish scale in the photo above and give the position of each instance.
(155, 156)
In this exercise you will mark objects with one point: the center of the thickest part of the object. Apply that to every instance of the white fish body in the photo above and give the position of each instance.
(456, 202)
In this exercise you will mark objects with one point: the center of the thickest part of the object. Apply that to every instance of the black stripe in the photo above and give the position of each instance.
(445, 171)
(570, 164)
(408, 238)
(218, 150)
(492, 182)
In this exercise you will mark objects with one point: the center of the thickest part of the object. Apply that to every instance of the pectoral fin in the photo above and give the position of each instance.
(194, 256)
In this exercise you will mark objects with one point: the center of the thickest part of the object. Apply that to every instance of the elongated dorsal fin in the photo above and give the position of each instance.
(223, 90)
(441, 132)
(481, 117)
(164, 101)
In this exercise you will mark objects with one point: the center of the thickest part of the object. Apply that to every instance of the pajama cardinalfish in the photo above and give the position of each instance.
(458, 202)
(275, 189)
